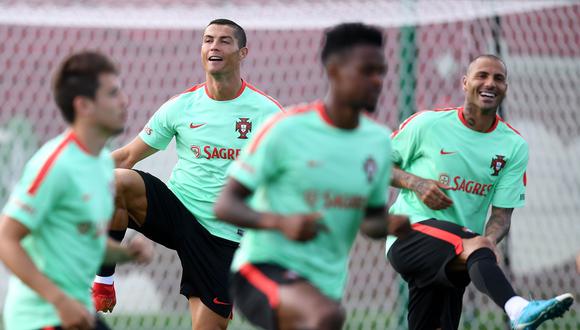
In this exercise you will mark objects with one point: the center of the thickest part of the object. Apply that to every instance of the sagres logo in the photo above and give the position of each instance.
(497, 164)
(211, 152)
(370, 168)
(196, 151)
(244, 126)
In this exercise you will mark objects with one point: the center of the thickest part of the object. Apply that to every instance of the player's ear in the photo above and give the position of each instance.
(464, 81)
(82, 106)
(243, 52)
(332, 68)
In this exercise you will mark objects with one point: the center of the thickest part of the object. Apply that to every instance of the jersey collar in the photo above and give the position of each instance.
(235, 97)
(464, 122)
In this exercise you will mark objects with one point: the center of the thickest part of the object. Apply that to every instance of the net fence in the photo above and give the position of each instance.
(428, 46)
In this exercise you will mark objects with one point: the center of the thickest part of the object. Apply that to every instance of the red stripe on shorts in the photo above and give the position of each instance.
(262, 283)
(446, 236)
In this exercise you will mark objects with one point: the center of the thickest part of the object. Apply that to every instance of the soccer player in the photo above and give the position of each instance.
(453, 164)
(315, 175)
(211, 123)
(53, 228)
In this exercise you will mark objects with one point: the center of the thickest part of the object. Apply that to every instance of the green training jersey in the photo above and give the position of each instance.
(209, 135)
(65, 199)
(482, 169)
(300, 163)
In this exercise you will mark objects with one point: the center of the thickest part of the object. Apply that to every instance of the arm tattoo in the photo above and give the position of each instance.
(498, 224)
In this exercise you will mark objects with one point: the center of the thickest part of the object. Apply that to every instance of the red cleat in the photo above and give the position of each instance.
(104, 297)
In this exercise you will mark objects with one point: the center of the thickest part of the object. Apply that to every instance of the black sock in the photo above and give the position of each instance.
(488, 277)
(117, 235)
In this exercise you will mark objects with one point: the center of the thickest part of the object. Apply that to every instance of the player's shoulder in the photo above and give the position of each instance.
(262, 100)
(54, 159)
(427, 117)
(512, 135)
(375, 128)
(187, 95)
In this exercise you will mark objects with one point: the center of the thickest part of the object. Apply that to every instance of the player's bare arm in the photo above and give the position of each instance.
(139, 250)
(231, 207)
(498, 224)
(72, 313)
(428, 191)
(132, 153)
(378, 224)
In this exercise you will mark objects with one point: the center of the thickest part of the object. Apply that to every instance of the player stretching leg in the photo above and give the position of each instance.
(309, 197)
(53, 228)
(210, 122)
(455, 163)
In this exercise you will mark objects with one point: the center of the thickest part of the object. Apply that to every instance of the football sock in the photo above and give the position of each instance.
(515, 306)
(488, 277)
(108, 271)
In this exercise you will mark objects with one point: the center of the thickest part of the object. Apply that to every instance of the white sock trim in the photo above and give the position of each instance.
(105, 279)
(514, 306)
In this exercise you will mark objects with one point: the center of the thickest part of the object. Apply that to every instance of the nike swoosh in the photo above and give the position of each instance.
(195, 126)
(217, 302)
(447, 152)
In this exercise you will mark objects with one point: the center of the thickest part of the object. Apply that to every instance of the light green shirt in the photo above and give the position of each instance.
(209, 135)
(299, 163)
(482, 169)
(65, 199)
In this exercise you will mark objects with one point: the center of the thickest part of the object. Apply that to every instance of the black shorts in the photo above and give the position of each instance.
(100, 325)
(435, 294)
(255, 292)
(205, 258)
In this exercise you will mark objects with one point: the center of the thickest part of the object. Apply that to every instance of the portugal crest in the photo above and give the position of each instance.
(370, 168)
(243, 126)
(196, 151)
(497, 164)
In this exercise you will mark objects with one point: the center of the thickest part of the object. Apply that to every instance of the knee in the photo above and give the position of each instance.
(328, 318)
(473, 244)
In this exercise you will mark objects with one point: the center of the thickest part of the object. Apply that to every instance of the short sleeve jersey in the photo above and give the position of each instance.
(209, 135)
(300, 163)
(65, 198)
(482, 168)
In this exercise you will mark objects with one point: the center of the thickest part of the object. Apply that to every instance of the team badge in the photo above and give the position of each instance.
(147, 130)
(244, 126)
(311, 198)
(196, 151)
(497, 164)
(370, 168)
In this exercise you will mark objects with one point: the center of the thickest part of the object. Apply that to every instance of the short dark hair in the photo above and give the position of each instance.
(345, 36)
(78, 75)
(239, 32)
(488, 56)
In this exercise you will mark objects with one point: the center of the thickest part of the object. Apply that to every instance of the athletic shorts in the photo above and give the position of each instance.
(255, 292)
(205, 258)
(100, 325)
(435, 295)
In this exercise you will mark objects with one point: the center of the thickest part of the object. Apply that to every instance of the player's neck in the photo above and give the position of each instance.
(480, 120)
(342, 115)
(92, 138)
(223, 87)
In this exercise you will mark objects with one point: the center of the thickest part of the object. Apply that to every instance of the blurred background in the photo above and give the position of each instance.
(428, 46)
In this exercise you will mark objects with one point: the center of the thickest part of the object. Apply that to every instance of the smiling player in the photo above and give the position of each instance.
(479, 161)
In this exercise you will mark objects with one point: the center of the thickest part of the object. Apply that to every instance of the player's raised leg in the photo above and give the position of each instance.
(130, 205)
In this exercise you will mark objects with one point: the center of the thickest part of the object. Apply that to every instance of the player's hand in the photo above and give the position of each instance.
(74, 315)
(141, 249)
(399, 225)
(578, 263)
(430, 193)
(301, 227)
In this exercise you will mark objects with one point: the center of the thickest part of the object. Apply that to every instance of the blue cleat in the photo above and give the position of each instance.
(538, 311)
